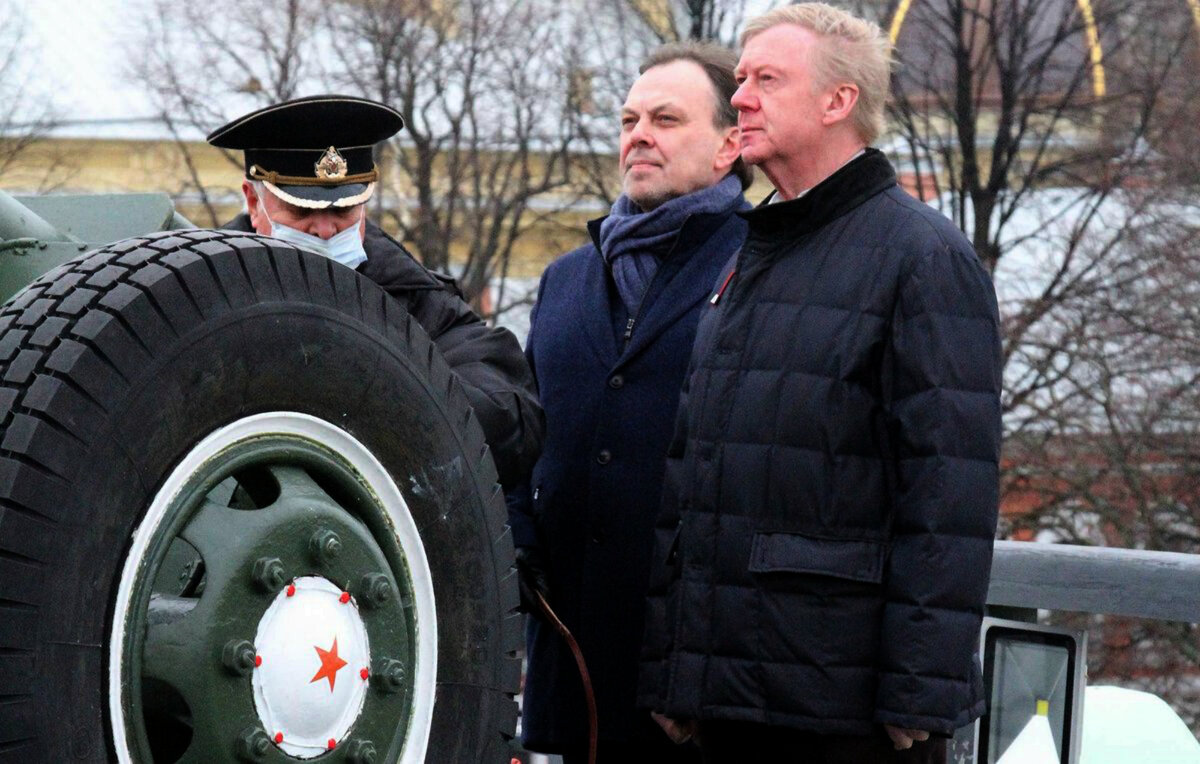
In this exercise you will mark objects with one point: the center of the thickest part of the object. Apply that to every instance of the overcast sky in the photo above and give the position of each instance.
(80, 50)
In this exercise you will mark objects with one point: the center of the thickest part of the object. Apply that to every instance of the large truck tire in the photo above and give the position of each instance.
(246, 514)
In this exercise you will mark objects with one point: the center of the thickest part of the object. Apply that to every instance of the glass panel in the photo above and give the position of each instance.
(1028, 679)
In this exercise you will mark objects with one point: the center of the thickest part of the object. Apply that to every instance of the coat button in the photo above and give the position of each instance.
(616, 381)
(604, 457)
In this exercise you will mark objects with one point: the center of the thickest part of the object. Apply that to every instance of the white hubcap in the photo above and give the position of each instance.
(311, 683)
(280, 707)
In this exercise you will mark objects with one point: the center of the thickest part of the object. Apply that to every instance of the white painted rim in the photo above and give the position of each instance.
(371, 472)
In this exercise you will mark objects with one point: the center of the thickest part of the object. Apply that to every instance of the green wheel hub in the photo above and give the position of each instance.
(260, 516)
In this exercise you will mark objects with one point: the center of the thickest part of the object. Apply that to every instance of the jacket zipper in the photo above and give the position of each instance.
(632, 320)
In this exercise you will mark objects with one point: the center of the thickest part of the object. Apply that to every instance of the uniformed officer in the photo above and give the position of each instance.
(310, 170)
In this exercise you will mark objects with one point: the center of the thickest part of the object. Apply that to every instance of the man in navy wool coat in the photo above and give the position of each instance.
(831, 492)
(609, 342)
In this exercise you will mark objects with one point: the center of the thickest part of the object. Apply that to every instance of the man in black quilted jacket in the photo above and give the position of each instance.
(831, 493)
(310, 170)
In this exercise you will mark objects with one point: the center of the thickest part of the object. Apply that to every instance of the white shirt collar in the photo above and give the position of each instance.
(775, 194)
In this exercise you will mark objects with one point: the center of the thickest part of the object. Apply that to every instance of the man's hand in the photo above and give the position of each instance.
(903, 738)
(679, 730)
(531, 578)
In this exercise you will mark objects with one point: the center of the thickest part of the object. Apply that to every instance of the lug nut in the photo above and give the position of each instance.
(325, 545)
(189, 570)
(389, 677)
(361, 752)
(376, 589)
(268, 574)
(253, 744)
(239, 656)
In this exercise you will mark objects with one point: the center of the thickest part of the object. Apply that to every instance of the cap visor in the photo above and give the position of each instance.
(321, 197)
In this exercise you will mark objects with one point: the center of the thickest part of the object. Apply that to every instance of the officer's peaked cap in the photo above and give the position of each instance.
(313, 152)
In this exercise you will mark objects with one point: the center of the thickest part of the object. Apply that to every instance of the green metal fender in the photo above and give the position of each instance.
(39, 233)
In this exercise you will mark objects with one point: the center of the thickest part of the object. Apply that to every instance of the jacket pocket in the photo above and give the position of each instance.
(849, 559)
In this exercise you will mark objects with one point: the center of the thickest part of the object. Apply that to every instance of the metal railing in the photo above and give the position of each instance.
(1163, 586)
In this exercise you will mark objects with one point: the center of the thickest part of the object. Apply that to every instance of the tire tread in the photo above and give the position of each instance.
(103, 315)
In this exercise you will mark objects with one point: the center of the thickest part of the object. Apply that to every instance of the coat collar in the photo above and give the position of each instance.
(391, 266)
(833, 197)
(690, 284)
(595, 307)
(691, 268)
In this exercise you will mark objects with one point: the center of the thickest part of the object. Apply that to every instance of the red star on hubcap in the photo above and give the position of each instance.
(330, 664)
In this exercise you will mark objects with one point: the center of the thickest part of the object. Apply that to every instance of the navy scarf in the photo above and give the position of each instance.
(633, 242)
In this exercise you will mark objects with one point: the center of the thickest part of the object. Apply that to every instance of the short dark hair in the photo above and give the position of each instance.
(718, 62)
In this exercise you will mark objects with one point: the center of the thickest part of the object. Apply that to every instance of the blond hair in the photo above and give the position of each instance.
(853, 50)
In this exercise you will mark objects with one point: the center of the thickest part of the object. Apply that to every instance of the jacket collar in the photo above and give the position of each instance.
(833, 197)
(392, 267)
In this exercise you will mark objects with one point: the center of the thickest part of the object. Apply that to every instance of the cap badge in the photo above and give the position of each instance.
(331, 166)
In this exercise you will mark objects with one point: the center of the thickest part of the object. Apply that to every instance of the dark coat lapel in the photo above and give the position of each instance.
(704, 235)
(593, 305)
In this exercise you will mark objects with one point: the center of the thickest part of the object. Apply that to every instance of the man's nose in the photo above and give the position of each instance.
(743, 99)
(640, 134)
(322, 226)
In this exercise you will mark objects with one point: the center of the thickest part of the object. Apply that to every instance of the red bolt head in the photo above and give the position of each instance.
(332, 743)
(291, 590)
(258, 660)
(344, 598)
(364, 674)
(278, 738)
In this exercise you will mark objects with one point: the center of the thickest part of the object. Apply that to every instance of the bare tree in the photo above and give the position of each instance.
(27, 114)
(484, 86)
(675, 20)
(1114, 458)
(1005, 120)
(1057, 135)
(202, 63)
(486, 89)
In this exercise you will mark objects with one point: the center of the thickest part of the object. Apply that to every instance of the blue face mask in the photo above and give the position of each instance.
(345, 247)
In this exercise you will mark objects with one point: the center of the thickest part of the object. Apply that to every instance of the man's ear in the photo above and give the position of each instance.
(254, 206)
(730, 150)
(251, 197)
(839, 103)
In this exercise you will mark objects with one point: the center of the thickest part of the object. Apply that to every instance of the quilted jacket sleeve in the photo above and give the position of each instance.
(494, 375)
(660, 606)
(942, 386)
